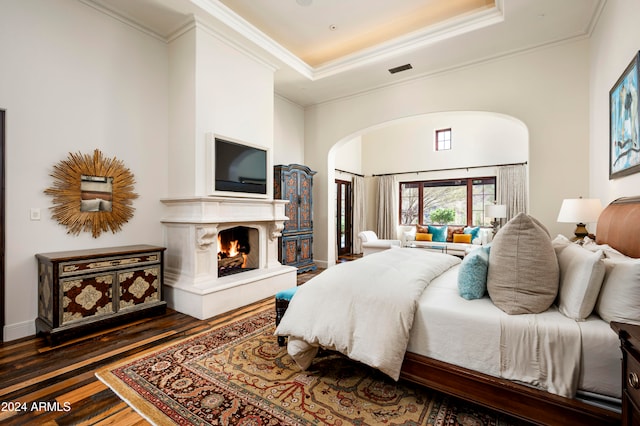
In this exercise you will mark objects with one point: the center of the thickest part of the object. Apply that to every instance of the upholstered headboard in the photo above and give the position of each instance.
(619, 226)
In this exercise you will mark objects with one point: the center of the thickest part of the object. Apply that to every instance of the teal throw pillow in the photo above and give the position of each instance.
(439, 233)
(474, 231)
(472, 276)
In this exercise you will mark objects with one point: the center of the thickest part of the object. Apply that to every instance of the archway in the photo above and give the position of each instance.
(481, 141)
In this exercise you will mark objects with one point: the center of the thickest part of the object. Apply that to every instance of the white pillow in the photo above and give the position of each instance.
(581, 276)
(609, 251)
(620, 294)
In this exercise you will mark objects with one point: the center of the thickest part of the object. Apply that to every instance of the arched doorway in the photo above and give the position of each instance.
(406, 147)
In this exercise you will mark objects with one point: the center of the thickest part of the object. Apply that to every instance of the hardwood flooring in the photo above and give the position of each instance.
(46, 385)
(56, 385)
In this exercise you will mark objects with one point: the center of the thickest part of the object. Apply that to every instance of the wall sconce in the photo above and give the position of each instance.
(497, 212)
(580, 211)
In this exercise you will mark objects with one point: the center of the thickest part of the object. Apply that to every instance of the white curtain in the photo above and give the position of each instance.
(359, 214)
(512, 189)
(387, 207)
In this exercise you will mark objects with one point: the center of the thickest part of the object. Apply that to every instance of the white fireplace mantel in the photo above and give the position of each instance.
(191, 226)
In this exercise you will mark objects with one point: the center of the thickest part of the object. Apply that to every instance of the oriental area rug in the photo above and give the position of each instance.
(238, 375)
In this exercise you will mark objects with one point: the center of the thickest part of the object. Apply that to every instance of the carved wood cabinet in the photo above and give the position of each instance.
(84, 290)
(294, 182)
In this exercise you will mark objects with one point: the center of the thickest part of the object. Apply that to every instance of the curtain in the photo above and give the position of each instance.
(359, 216)
(512, 189)
(387, 207)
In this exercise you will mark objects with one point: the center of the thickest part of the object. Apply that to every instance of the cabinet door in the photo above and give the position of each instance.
(289, 250)
(290, 189)
(86, 297)
(305, 252)
(138, 286)
(305, 223)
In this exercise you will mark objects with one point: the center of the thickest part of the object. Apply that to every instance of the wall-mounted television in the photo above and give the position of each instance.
(239, 168)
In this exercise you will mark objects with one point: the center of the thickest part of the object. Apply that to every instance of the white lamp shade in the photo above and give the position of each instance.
(495, 210)
(580, 210)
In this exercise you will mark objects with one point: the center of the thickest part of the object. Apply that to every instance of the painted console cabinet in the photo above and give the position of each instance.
(85, 290)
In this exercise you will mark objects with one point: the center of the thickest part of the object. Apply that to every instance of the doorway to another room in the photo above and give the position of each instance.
(2, 212)
(344, 218)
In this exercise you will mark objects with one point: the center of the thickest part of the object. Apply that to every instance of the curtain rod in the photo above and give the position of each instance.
(351, 173)
(452, 168)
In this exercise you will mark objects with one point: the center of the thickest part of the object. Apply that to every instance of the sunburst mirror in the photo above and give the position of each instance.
(91, 193)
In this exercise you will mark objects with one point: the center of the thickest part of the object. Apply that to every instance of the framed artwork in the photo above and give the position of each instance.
(624, 124)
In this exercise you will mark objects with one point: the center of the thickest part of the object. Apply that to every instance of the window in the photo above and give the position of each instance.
(466, 197)
(443, 139)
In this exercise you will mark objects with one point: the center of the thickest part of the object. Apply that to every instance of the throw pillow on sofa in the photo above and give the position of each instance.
(439, 233)
(474, 231)
(523, 271)
(453, 230)
(462, 238)
(423, 237)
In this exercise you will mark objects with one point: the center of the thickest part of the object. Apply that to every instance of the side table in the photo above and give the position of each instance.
(630, 345)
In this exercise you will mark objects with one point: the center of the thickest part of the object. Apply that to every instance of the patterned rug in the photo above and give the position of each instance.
(238, 375)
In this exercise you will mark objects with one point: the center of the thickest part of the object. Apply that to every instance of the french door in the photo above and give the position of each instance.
(344, 215)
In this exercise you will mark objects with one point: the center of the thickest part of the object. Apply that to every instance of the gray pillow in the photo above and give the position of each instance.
(523, 271)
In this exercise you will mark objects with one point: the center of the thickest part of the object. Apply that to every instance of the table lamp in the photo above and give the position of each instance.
(580, 211)
(497, 212)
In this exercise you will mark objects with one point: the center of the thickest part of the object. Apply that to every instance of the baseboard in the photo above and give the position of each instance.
(322, 264)
(19, 330)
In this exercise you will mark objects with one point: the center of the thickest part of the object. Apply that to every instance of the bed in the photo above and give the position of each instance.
(474, 365)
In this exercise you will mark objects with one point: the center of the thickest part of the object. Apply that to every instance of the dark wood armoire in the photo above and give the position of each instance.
(294, 182)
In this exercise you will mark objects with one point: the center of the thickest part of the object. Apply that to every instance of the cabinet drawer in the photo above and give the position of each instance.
(106, 263)
(632, 378)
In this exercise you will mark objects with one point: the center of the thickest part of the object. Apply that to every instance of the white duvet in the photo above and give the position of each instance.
(363, 309)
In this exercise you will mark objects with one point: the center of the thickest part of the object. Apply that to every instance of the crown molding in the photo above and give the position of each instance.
(431, 35)
(122, 17)
(234, 21)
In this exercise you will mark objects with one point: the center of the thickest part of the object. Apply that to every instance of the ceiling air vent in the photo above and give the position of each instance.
(400, 68)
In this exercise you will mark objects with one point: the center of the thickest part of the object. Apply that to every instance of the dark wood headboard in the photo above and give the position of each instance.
(619, 226)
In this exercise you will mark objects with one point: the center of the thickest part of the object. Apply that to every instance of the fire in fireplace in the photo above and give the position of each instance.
(233, 251)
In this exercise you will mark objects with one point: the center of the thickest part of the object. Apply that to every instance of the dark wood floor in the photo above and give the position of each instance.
(46, 385)
(64, 376)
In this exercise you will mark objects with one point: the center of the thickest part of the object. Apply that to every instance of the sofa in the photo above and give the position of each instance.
(454, 240)
(372, 244)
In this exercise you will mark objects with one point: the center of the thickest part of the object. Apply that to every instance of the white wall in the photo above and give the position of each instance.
(348, 156)
(73, 80)
(478, 139)
(220, 90)
(408, 145)
(612, 46)
(288, 140)
(546, 89)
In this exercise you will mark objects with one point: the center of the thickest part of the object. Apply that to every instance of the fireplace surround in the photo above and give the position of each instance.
(191, 227)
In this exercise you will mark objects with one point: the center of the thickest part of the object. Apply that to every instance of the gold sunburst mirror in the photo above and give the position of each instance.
(92, 193)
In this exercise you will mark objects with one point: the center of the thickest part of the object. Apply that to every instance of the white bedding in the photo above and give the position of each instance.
(442, 313)
(542, 350)
(445, 326)
(363, 309)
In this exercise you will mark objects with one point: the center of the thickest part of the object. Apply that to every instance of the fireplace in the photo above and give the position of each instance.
(237, 250)
(222, 253)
